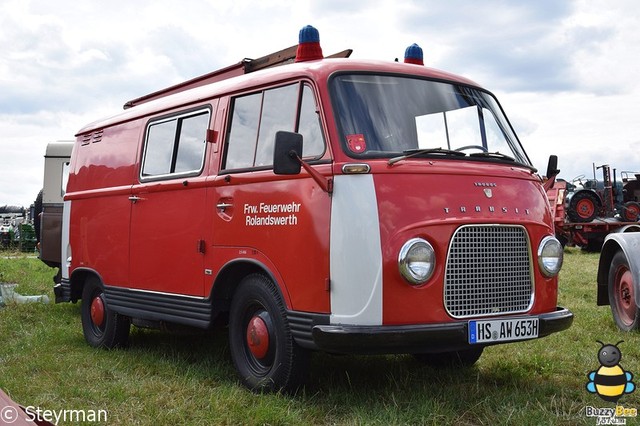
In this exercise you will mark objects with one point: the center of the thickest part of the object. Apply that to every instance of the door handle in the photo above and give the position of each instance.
(224, 206)
(134, 198)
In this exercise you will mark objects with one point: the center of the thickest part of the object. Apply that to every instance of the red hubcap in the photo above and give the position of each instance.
(258, 337)
(625, 296)
(585, 208)
(97, 311)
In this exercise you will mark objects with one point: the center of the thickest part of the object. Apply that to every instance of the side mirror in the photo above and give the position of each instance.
(287, 151)
(552, 167)
(552, 172)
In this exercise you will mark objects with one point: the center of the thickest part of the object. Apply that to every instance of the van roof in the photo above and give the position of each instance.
(205, 87)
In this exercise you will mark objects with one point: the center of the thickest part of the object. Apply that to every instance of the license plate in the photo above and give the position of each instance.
(503, 330)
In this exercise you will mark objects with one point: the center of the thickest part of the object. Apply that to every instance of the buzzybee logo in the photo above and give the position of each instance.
(610, 381)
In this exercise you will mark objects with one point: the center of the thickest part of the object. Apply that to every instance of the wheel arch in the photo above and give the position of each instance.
(77, 280)
(629, 244)
(230, 275)
(628, 228)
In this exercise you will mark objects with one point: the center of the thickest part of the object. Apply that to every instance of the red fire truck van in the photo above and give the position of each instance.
(324, 204)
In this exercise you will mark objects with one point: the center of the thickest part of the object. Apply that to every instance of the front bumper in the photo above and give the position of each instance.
(442, 337)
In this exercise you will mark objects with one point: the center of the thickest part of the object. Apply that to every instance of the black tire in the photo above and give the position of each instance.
(583, 207)
(622, 293)
(105, 329)
(272, 361)
(594, 245)
(454, 359)
(563, 240)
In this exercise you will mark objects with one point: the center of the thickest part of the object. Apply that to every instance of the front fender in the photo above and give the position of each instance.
(629, 243)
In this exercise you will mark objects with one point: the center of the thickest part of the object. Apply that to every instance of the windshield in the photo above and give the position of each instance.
(381, 116)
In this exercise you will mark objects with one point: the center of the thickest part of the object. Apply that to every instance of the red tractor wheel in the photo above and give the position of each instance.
(631, 211)
(584, 207)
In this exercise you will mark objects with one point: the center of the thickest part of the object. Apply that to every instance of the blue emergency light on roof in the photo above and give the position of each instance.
(413, 55)
(308, 45)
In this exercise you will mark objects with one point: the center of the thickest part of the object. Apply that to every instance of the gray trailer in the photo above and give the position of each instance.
(49, 207)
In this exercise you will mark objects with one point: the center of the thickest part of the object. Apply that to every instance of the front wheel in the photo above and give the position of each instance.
(102, 328)
(622, 293)
(262, 347)
(631, 211)
(462, 358)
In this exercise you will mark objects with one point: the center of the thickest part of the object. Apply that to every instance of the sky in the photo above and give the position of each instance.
(565, 72)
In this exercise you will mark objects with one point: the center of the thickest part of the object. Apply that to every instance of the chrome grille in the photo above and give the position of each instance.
(488, 271)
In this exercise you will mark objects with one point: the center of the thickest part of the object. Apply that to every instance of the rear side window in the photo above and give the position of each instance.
(175, 146)
(257, 117)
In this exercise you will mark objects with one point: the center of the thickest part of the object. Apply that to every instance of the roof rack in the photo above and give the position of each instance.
(245, 66)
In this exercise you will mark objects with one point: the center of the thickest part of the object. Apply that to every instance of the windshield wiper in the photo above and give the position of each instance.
(493, 155)
(408, 153)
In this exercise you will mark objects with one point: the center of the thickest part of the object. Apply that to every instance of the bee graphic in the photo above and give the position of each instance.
(610, 381)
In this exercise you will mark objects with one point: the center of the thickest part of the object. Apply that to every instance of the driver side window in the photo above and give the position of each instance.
(257, 117)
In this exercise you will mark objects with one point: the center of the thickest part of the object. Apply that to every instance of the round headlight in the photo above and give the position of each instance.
(550, 255)
(416, 261)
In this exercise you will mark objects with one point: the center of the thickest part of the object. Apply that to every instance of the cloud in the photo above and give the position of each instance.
(564, 71)
(511, 45)
(41, 70)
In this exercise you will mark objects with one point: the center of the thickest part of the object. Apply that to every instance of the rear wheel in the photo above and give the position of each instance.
(461, 358)
(583, 207)
(262, 347)
(102, 328)
(622, 293)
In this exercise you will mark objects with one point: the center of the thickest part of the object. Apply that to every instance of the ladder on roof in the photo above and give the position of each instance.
(245, 66)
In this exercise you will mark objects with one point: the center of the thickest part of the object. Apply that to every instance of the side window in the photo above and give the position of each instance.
(257, 117)
(278, 113)
(191, 144)
(243, 132)
(159, 149)
(175, 145)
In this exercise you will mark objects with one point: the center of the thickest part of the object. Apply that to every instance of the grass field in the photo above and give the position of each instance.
(167, 379)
